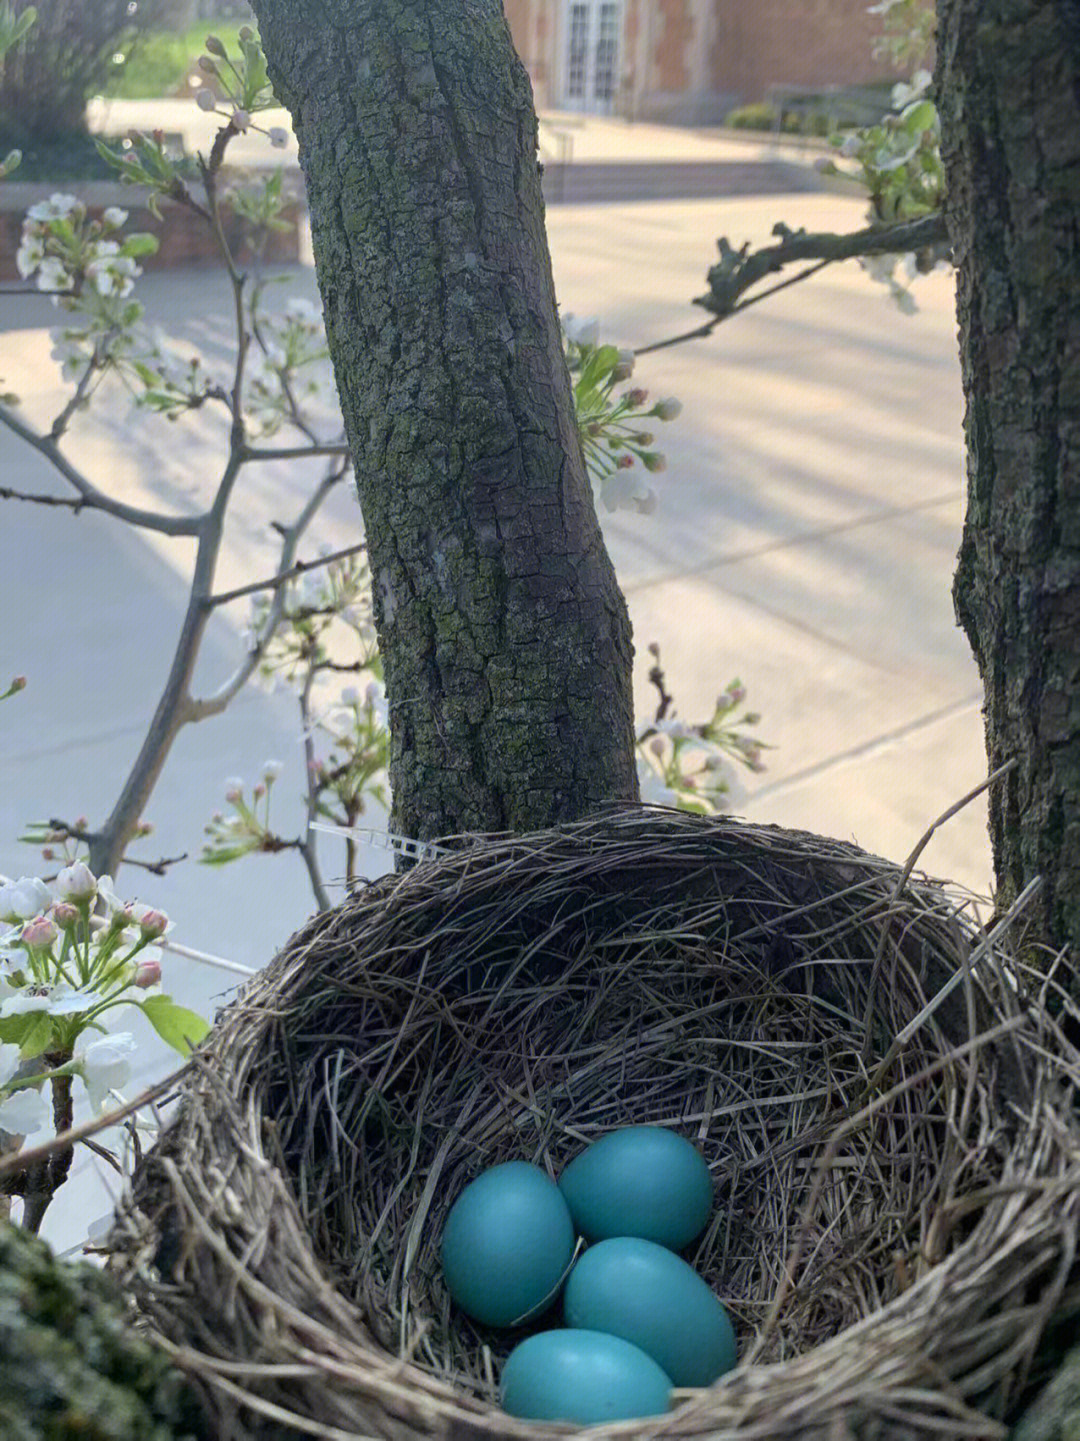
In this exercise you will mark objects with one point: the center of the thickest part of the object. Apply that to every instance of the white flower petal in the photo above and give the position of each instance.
(23, 1111)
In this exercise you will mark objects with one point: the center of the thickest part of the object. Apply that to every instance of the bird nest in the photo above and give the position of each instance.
(881, 1091)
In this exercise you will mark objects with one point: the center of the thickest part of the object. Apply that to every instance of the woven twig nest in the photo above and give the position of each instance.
(897, 1198)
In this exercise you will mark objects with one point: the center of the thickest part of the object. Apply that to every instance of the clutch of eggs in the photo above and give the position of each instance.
(638, 1318)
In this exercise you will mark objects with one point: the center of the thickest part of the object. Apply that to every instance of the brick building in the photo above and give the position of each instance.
(689, 61)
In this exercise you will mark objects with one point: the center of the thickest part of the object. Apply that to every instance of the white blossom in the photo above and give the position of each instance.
(105, 1066)
(57, 207)
(24, 1110)
(76, 883)
(24, 898)
(114, 217)
(582, 331)
(53, 274)
(59, 1000)
(29, 255)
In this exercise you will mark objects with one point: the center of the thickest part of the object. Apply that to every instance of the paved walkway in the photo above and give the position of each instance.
(805, 541)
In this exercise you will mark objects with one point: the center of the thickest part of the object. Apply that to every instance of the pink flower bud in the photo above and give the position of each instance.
(214, 45)
(734, 695)
(652, 460)
(637, 396)
(19, 683)
(39, 933)
(625, 462)
(153, 924)
(47, 853)
(65, 915)
(624, 366)
(147, 973)
(259, 790)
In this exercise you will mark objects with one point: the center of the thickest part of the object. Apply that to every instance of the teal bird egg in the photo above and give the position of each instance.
(653, 1299)
(586, 1377)
(639, 1181)
(507, 1243)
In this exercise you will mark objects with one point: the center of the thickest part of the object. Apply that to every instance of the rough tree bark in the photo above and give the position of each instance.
(504, 635)
(1008, 88)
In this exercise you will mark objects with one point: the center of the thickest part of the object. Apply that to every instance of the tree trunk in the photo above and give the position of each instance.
(504, 635)
(1008, 87)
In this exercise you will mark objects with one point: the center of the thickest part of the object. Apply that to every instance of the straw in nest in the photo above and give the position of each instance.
(880, 1092)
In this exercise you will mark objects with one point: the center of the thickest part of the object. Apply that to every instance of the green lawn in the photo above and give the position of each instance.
(160, 62)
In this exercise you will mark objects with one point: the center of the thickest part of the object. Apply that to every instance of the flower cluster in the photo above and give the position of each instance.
(70, 253)
(279, 372)
(612, 441)
(682, 765)
(71, 954)
(243, 830)
(353, 769)
(294, 629)
(899, 163)
(238, 88)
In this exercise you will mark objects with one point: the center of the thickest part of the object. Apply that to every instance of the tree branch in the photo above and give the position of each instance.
(68, 503)
(738, 270)
(214, 704)
(298, 452)
(283, 575)
(189, 525)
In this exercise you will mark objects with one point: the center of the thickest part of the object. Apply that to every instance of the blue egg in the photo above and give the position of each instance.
(507, 1243)
(639, 1181)
(653, 1299)
(582, 1376)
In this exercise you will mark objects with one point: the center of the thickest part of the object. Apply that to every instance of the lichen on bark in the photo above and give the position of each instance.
(504, 635)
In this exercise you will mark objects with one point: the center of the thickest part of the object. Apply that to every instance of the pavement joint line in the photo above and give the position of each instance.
(735, 557)
(81, 742)
(868, 747)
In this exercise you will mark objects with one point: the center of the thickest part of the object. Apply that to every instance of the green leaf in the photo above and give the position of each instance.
(14, 1028)
(38, 1034)
(226, 854)
(141, 243)
(176, 1025)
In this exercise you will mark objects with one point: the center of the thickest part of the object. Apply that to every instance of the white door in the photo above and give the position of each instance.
(591, 55)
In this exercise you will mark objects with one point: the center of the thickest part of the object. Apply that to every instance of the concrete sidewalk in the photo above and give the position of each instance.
(586, 159)
(804, 541)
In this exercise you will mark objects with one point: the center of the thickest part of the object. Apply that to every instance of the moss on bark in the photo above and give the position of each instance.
(71, 1363)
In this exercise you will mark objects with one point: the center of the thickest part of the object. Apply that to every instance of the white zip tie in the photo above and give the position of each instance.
(385, 841)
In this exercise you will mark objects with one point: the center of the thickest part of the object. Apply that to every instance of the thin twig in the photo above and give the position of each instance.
(905, 876)
(300, 567)
(17, 1160)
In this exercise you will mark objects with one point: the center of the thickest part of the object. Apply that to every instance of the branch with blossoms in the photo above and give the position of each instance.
(898, 163)
(69, 955)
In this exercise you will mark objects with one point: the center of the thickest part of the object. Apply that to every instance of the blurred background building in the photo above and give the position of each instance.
(690, 61)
